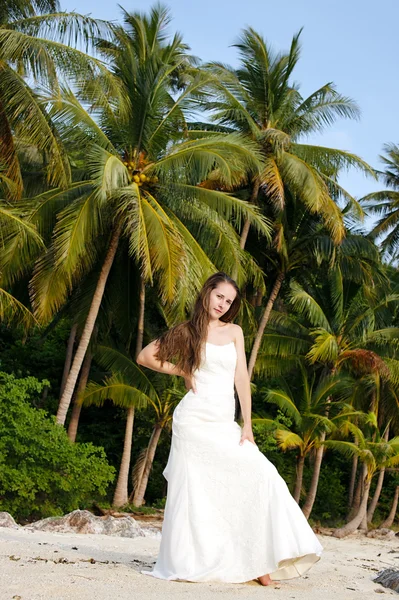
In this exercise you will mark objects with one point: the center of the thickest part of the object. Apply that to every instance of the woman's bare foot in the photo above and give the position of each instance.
(265, 580)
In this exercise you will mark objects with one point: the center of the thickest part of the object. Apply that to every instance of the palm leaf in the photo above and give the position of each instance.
(116, 361)
(288, 440)
(285, 403)
(117, 389)
(308, 306)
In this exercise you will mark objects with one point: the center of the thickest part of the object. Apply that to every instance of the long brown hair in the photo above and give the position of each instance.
(184, 342)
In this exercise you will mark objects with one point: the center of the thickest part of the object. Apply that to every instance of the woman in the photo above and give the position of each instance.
(229, 516)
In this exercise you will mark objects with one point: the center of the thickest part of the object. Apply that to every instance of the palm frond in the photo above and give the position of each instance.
(232, 154)
(29, 243)
(285, 403)
(31, 124)
(288, 440)
(226, 205)
(14, 312)
(307, 305)
(112, 359)
(331, 160)
(325, 348)
(116, 389)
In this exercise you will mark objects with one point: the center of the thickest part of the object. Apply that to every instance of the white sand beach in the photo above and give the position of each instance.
(38, 565)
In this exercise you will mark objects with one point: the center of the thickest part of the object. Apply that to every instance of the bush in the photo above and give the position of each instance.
(41, 472)
(331, 503)
(285, 462)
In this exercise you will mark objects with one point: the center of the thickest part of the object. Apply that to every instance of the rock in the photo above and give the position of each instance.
(6, 520)
(82, 521)
(385, 533)
(324, 530)
(389, 578)
(152, 532)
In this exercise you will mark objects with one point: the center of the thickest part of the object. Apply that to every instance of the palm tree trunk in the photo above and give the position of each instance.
(352, 482)
(89, 326)
(299, 477)
(138, 497)
(121, 491)
(376, 496)
(140, 324)
(311, 496)
(358, 518)
(75, 416)
(378, 488)
(391, 517)
(77, 406)
(356, 498)
(363, 525)
(253, 200)
(263, 322)
(121, 495)
(244, 234)
(68, 357)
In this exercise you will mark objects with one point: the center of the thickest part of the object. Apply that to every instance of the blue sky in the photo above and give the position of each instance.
(350, 42)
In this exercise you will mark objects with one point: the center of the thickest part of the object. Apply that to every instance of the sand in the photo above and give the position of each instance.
(37, 565)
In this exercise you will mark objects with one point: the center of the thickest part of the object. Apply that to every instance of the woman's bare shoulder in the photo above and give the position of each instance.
(236, 331)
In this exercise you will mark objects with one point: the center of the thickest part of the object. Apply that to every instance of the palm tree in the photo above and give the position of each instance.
(307, 409)
(341, 331)
(386, 203)
(378, 488)
(142, 179)
(302, 245)
(80, 389)
(127, 387)
(36, 45)
(259, 100)
(167, 399)
(392, 514)
(374, 453)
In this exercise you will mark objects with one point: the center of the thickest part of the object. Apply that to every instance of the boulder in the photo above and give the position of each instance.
(389, 578)
(6, 520)
(82, 521)
(385, 533)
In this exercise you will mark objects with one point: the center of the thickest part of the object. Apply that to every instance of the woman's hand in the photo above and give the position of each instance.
(190, 384)
(247, 434)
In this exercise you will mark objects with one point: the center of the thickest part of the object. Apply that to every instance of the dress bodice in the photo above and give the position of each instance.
(217, 369)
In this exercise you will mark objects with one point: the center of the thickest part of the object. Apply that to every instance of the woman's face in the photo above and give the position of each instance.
(220, 300)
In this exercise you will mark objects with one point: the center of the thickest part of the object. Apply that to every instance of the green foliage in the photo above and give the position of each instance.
(391, 480)
(41, 472)
(40, 355)
(267, 444)
(332, 498)
(120, 148)
(157, 486)
(384, 203)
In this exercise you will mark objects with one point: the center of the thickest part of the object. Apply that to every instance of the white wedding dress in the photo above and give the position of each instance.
(229, 516)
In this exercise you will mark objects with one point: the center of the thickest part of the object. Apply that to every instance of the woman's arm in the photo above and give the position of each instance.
(146, 358)
(241, 381)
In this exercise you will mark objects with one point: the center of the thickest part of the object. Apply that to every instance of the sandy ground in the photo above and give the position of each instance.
(39, 565)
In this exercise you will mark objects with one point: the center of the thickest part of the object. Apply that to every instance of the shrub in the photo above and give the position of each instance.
(41, 472)
(266, 441)
(331, 503)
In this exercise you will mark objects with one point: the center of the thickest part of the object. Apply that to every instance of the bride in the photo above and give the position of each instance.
(229, 515)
